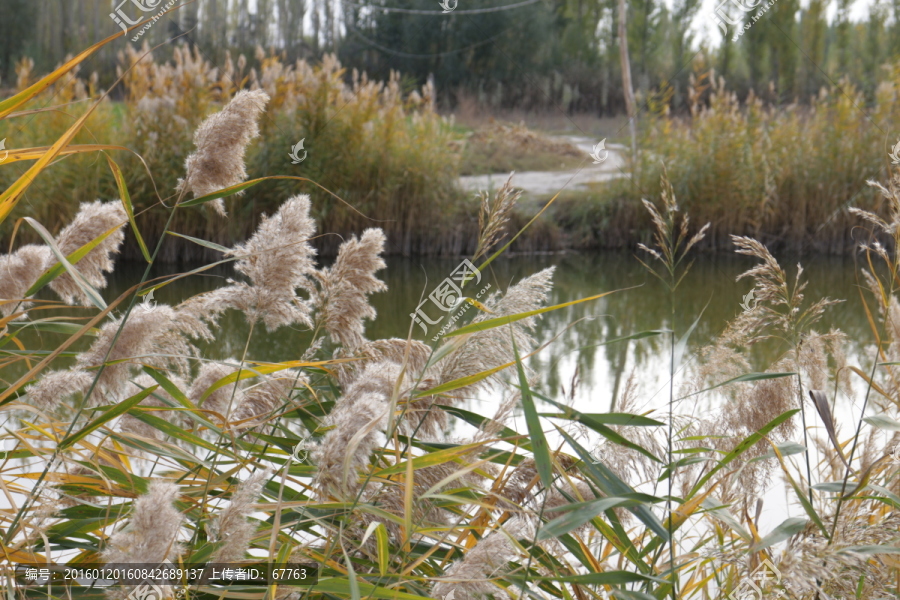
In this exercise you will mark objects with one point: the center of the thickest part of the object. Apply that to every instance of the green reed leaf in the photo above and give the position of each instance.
(605, 431)
(198, 241)
(747, 377)
(578, 517)
(108, 415)
(129, 209)
(77, 277)
(539, 446)
(883, 422)
(499, 321)
(610, 484)
(785, 530)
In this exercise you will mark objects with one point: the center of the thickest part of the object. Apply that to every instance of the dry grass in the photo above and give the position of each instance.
(499, 148)
(385, 152)
(782, 174)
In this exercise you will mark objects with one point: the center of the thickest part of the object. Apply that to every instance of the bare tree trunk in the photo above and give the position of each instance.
(263, 15)
(189, 18)
(212, 37)
(65, 14)
(242, 24)
(315, 26)
(628, 89)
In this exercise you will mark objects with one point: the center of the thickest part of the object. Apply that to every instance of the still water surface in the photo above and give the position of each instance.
(577, 336)
(578, 365)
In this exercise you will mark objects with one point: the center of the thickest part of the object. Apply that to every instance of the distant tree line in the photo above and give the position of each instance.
(537, 54)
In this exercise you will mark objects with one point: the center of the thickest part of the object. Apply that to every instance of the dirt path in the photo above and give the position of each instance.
(550, 182)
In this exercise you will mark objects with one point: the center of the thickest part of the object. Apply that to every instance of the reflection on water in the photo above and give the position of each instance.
(577, 336)
(577, 350)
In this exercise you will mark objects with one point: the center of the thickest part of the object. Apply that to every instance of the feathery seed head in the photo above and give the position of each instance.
(152, 532)
(359, 418)
(278, 259)
(670, 236)
(493, 347)
(132, 424)
(54, 386)
(343, 304)
(93, 220)
(221, 399)
(269, 394)
(148, 336)
(221, 141)
(493, 216)
(18, 272)
(231, 524)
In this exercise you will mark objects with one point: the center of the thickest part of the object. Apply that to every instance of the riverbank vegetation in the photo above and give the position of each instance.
(786, 175)
(555, 55)
(138, 449)
(380, 148)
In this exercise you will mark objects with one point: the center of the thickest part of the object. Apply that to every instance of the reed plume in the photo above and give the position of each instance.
(269, 394)
(277, 259)
(159, 398)
(149, 336)
(811, 565)
(237, 400)
(494, 347)
(151, 536)
(395, 350)
(342, 302)
(18, 272)
(221, 399)
(493, 216)
(93, 220)
(231, 526)
(487, 560)
(779, 302)
(221, 142)
(357, 423)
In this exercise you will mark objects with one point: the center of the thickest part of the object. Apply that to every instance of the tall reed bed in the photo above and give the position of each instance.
(380, 147)
(138, 449)
(783, 174)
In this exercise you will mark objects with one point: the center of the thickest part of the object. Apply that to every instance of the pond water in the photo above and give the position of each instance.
(578, 365)
(577, 337)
